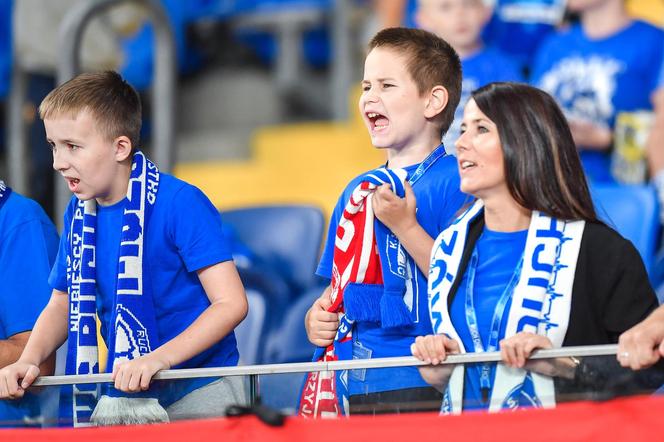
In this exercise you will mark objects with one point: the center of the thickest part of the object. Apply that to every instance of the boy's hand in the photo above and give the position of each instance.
(320, 324)
(398, 214)
(12, 374)
(135, 375)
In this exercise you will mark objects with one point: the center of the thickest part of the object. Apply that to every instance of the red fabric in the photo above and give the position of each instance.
(319, 396)
(630, 419)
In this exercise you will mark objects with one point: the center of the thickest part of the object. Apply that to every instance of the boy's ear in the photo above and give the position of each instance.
(122, 145)
(438, 99)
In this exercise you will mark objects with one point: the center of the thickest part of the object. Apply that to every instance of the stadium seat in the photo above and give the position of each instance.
(633, 211)
(288, 342)
(250, 333)
(285, 238)
(281, 391)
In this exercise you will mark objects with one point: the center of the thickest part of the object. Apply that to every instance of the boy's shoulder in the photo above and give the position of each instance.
(441, 171)
(20, 209)
(645, 28)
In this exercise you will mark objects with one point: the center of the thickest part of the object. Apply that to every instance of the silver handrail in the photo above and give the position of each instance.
(304, 367)
(163, 85)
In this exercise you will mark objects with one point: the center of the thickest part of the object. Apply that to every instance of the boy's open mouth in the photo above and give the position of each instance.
(377, 121)
(72, 183)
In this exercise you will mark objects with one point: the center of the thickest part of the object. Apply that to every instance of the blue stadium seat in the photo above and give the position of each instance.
(281, 391)
(288, 342)
(250, 333)
(633, 211)
(285, 238)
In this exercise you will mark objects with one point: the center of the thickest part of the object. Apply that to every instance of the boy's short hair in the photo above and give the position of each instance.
(431, 62)
(113, 103)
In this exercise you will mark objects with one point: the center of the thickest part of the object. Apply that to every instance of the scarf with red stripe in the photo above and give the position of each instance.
(369, 269)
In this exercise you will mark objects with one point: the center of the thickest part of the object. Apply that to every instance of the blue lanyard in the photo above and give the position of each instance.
(429, 161)
(498, 313)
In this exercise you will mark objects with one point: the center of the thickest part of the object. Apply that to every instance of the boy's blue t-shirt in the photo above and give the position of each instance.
(595, 79)
(184, 235)
(28, 245)
(498, 256)
(485, 66)
(438, 199)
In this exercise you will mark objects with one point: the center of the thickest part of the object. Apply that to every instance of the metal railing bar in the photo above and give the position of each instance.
(304, 367)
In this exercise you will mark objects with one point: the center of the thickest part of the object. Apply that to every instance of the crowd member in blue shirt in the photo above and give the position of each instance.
(141, 250)
(411, 86)
(655, 143)
(28, 245)
(460, 23)
(528, 265)
(597, 69)
(518, 27)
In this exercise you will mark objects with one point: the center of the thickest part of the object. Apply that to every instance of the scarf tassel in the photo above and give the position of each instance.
(373, 303)
(128, 411)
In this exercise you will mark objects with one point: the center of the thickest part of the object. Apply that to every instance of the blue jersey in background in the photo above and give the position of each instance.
(594, 79)
(485, 66)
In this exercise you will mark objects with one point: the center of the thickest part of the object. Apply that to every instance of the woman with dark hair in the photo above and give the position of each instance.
(528, 265)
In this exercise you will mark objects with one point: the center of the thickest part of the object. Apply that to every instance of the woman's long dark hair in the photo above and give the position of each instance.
(542, 166)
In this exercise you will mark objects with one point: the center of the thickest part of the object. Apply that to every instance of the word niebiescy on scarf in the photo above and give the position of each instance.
(133, 332)
(541, 299)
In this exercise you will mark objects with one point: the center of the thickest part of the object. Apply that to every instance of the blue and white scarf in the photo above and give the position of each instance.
(541, 300)
(133, 330)
(5, 191)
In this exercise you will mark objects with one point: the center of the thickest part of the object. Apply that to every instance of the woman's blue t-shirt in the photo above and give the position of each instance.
(498, 256)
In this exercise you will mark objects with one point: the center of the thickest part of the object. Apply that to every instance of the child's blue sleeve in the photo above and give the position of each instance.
(324, 268)
(543, 59)
(454, 199)
(195, 227)
(25, 261)
(58, 276)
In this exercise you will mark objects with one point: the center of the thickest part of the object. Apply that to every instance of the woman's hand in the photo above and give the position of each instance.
(643, 345)
(433, 349)
(516, 349)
